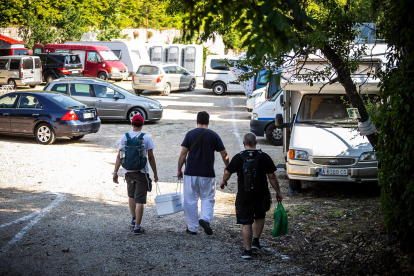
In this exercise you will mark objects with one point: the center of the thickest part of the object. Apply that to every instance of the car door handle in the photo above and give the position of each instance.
(35, 114)
(6, 114)
(99, 101)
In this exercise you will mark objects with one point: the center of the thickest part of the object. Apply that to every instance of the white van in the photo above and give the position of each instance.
(218, 77)
(20, 71)
(320, 142)
(131, 53)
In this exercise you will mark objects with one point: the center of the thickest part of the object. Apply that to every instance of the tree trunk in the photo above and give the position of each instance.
(344, 76)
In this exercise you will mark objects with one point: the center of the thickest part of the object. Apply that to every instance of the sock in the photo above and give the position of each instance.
(133, 218)
(256, 239)
(137, 226)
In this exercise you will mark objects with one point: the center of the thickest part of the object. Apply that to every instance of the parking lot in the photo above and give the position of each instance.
(61, 213)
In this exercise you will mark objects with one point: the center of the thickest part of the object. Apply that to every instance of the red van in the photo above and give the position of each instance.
(97, 61)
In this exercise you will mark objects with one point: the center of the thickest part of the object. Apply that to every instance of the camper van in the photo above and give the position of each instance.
(20, 71)
(97, 61)
(218, 77)
(319, 137)
(132, 54)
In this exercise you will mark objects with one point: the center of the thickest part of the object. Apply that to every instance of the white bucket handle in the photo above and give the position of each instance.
(179, 184)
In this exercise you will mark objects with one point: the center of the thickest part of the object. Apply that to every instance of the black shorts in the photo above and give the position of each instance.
(137, 185)
(248, 211)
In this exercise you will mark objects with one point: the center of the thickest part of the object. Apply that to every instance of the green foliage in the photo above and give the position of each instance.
(150, 34)
(394, 121)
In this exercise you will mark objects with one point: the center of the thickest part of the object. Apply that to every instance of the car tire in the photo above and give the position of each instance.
(32, 86)
(102, 76)
(49, 78)
(167, 90)
(119, 80)
(136, 111)
(295, 185)
(45, 134)
(138, 91)
(12, 82)
(274, 135)
(219, 89)
(77, 137)
(192, 85)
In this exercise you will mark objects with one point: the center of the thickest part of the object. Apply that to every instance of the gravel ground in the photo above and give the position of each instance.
(60, 212)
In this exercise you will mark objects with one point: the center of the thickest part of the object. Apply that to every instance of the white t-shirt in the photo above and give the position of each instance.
(149, 145)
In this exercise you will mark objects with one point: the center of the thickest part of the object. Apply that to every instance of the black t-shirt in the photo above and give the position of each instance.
(266, 166)
(200, 161)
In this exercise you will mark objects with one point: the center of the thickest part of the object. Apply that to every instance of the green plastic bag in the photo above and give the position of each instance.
(281, 222)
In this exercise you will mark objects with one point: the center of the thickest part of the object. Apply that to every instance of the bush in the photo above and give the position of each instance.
(150, 34)
(136, 34)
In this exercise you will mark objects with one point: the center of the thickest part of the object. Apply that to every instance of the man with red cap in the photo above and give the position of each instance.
(138, 181)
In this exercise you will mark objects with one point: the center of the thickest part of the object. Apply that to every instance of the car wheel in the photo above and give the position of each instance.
(274, 135)
(45, 134)
(77, 137)
(138, 91)
(136, 111)
(12, 82)
(102, 76)
(192, 85)
(50, 78)
(32, 86)
(295, 185)
(167, 90)
(118, 80)
(219, 89)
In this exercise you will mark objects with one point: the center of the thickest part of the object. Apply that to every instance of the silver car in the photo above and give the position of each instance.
(163, 78)
(113, 102)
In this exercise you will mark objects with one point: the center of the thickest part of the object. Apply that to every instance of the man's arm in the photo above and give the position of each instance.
(275, 184)
(225, 158)
(151, 160)
(117, 165)
(181, 160)
(226, 177)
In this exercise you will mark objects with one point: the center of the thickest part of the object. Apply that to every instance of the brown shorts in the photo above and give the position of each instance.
(137, 183)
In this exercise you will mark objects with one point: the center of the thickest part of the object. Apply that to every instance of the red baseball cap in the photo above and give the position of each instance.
(137, 119)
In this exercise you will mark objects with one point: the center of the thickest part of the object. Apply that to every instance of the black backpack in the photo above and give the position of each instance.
(251, 169)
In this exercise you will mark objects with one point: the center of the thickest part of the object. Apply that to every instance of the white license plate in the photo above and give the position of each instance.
(87, 115)
(144, 81)
(326, 171)
(75, 71)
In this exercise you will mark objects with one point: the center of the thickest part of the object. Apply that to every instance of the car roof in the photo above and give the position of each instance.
(36, 92)
(54, 54)
(83, 79)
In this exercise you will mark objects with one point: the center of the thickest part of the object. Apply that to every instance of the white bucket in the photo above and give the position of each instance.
(169, 203)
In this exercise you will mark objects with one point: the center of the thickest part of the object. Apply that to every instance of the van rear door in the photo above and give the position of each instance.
(37, 70)
(28, 69)
(4, 70)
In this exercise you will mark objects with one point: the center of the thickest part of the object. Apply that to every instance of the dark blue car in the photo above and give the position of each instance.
(46, 115)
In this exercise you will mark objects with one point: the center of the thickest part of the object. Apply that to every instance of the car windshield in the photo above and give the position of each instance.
(74, 59)
(66, 101)
(330, 109)
(108, 56)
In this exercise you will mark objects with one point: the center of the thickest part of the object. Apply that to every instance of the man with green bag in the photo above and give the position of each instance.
(253, 200)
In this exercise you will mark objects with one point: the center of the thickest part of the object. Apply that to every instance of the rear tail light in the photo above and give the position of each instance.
(70, 116)
(64, 70)
(80, 71)
(159, 79)
(132, 78)
(21, 69)
(96, 112)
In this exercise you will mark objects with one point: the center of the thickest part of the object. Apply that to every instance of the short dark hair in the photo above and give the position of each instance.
(203, 118)
(250, 139)
(137, 125)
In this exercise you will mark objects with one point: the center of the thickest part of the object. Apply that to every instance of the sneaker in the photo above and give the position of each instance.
(247, 254)
(256, 245)
(190, 232)
(206, 226)
(133, 222)
(139, 231)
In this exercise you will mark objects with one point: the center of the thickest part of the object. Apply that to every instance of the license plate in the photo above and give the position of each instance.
(145, 81)
(87, 115)
(326, 171)
(75, 71)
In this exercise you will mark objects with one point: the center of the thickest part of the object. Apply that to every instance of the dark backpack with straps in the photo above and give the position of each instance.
(251, 169)
(134, 157)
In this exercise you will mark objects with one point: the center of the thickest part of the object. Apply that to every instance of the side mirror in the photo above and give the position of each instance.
(116, 98)
(281, 100)
(279, 121)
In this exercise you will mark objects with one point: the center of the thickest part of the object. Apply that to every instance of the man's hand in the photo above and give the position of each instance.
(223, 184)
(179, 174)
(115, 178)
(279, 197)
(156, 177)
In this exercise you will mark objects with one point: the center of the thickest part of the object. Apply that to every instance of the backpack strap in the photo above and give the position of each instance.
(140, 136)
(127, 136)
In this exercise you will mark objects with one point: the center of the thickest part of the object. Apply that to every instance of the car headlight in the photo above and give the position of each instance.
(367, 157)
(114, 70)
(154, 106)
(298, 154)
(255, 116)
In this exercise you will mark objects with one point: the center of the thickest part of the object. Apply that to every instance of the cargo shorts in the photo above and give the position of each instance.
(137, 186)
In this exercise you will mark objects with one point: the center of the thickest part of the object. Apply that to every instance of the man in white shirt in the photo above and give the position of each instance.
(138, 181)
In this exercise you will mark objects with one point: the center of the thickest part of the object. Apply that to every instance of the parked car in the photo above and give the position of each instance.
(113, 102)
(57, 65)
(20, 71)
(46, 116)
(163, 78)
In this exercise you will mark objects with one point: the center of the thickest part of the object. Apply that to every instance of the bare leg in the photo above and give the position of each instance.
(247, 236)
(139, 211)
(258, 226)
(132, 207)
